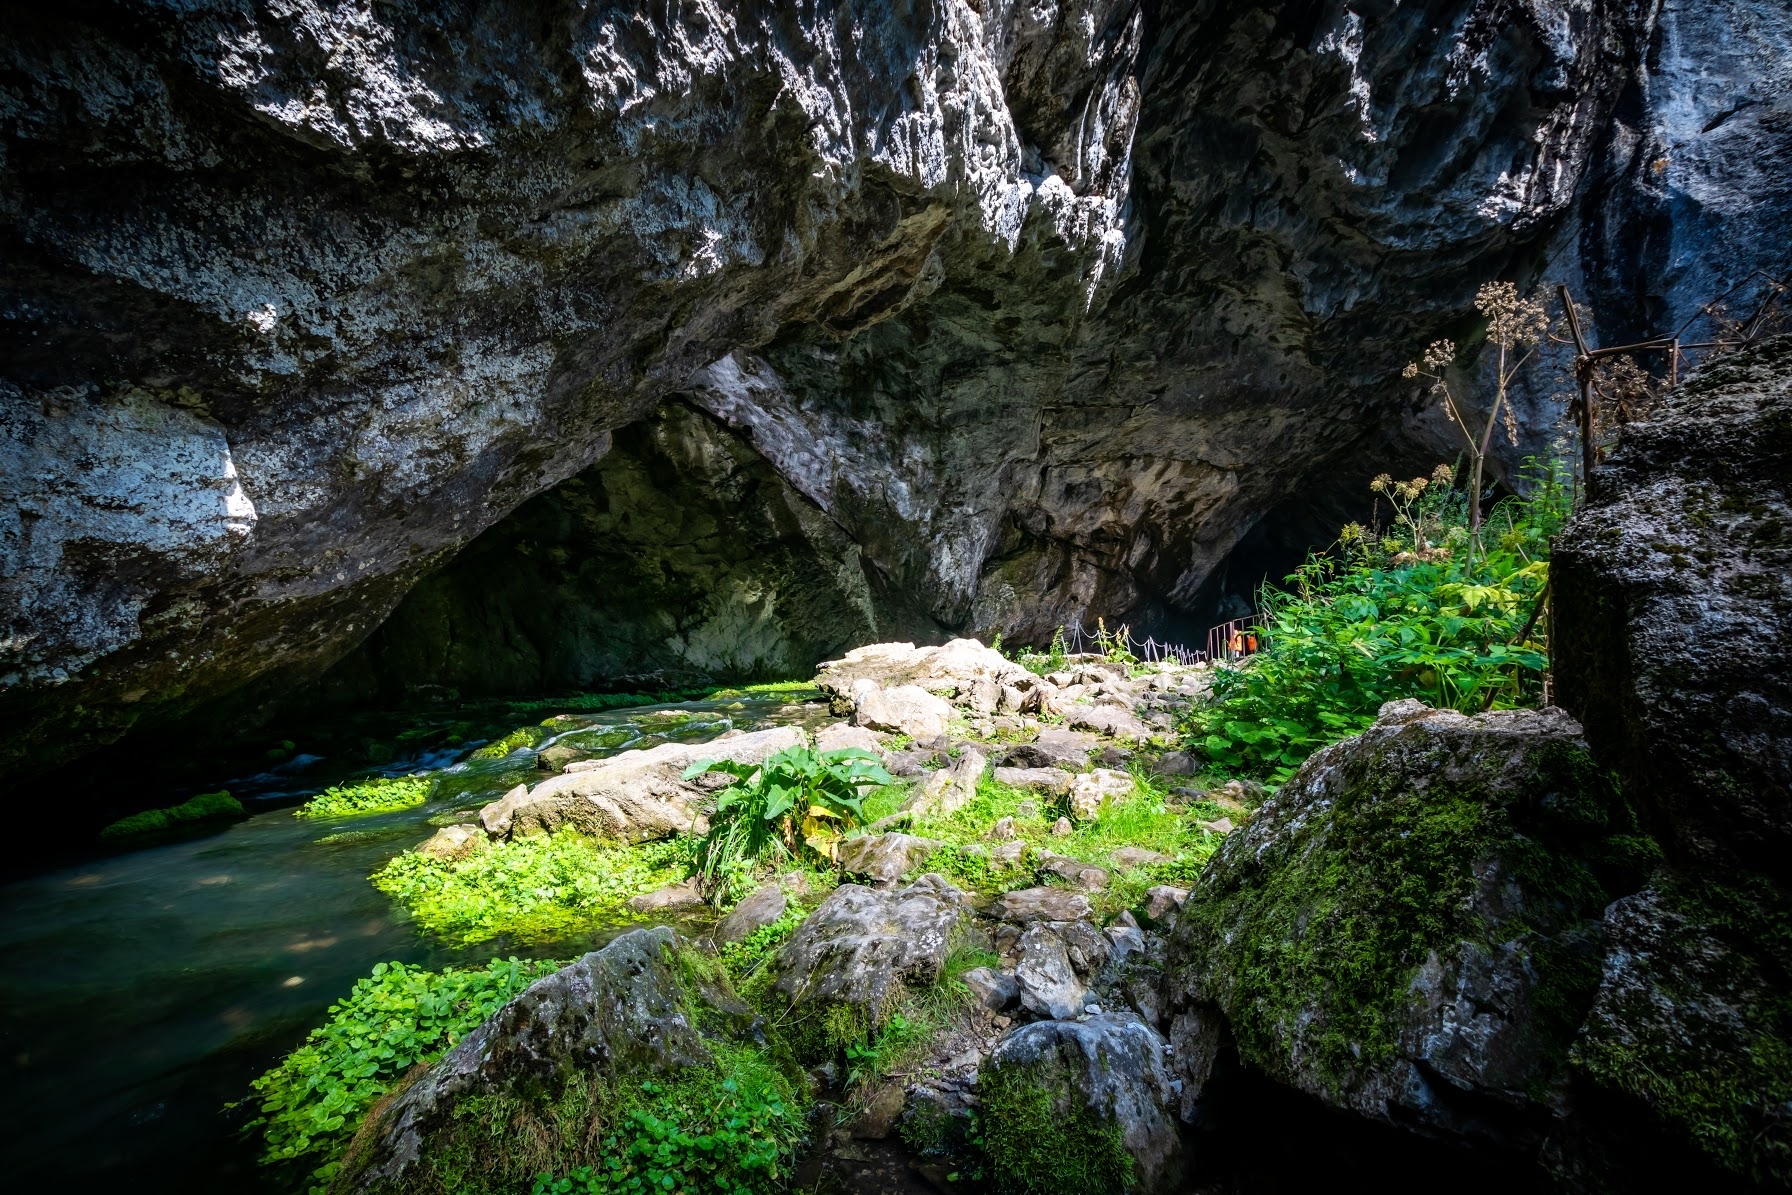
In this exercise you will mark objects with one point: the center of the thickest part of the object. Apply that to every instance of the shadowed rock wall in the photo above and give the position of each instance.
(1042, 307)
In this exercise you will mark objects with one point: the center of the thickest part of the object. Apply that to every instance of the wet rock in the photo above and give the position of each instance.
(1128, 857)
(863, 944)
(622, 1011)
(762, 907)
(1498, 832)
(951, 789)
(682, 895)
(453, 843)
(1088, 793)
(995, 990)
(1054, 748)
(637, 796)
(556, 756)
(1104, 1074)
(880, 1114)
(1035, 904)
(1041, 780)
(883, 859)
(904, 709)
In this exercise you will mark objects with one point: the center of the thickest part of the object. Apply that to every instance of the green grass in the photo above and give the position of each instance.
(531, 889)
(202, 808)
(312, 1102)
(616, 701)
(380, 794)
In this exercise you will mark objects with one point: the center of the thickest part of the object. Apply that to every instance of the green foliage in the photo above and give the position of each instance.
(532, 889)
(1039, 1140)
(731, 1129)
(378, 794)
(745, 957)
(1044, 663)
(311, 1103)
(522, 736)
(794, 805)
(202, 808)
(590, 702)
(1402, 617)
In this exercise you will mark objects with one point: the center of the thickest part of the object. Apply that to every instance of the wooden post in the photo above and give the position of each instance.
(1583, 373)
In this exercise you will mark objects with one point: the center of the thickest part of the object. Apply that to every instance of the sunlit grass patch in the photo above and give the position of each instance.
(379, 794)
(531, 889)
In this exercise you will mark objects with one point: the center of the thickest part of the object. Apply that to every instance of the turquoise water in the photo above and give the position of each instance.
(141, 991)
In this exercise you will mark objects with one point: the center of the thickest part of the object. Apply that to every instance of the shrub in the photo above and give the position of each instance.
(395, 1018)
(378, 794)
(795, 804)
(532, 889)
(202, 808)
(1410, 615)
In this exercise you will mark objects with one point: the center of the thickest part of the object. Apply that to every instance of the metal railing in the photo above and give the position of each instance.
(1236, 639)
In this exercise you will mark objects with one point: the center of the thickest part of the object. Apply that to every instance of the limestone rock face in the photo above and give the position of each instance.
(305, 298)
(1410, 927)
(1674, 629)
(635, 796)
(904, 709)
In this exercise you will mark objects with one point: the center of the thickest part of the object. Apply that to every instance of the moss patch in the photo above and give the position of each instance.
(1042, 1140)
(379, 794)
(203, 808)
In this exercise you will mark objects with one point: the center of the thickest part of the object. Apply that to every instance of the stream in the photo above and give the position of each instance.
(142, 989)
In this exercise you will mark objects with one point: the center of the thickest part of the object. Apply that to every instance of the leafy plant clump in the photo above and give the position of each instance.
(202, 808)
(1413, 613)
(379, 794)
(795, 805)
(731, 1129)
(311, 1103)
(531, 889)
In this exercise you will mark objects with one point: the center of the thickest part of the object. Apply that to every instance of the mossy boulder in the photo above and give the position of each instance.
(569, 1072)
(1081, 1108)
(206, 807)
(1410, 927)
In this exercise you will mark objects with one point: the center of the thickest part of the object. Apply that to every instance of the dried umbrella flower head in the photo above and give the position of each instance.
(1511, 321)
(1440, 354)
(1443, 475)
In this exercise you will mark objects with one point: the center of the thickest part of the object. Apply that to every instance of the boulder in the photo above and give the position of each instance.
(883, 859)
(1409, 929)
(1112, 721)
(958, 666)
(1103, 1085)
(1177, 763)
(555, 757)
(1059, 964)
(841, 736)
(1039, 780)
(1129, 857)
(1008, 855)
(994, 990)
(1062, 828)
(453, 843)
(1035, 904)
(624, 1012)
(1084, 875)
(1163, 900)
(1054, 748)
(1002, 830)
(951, 789)
(636, 796)
(863, 944)
(682, 895)
(1089, 792)
(760, 908)
(1672, 612)
(904, 709)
